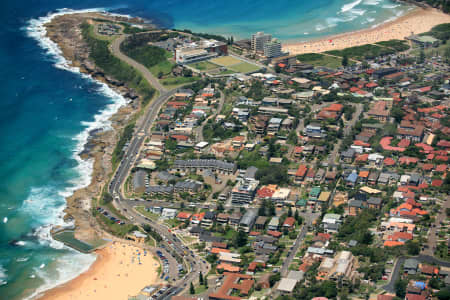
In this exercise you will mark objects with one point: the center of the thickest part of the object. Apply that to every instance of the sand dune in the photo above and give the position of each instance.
(417, 21)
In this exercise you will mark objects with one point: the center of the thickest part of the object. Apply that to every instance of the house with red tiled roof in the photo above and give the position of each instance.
(289, 223)
(425, 148)
(388, 162)
(404, 143)
(392, 244)
(362, 158)
(437, 183)
(301, 173)
(255, 264)
(298, 151)
(275, 234)
(379, 111)
(443, 143)
(226, 267)
(441, 168)
(441, 158)
(400, 237)
(414, 297)
(219, 250)
(385, 143)
(385, 297)
(266, 192)
(183, 216)
(428, 270)
(406, 160)
(415, 134)
(427, 167)
(240, 283)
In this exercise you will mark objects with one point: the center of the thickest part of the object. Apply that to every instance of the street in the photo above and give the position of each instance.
(172, 244)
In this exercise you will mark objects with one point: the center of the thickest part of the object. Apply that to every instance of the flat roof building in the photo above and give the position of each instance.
(258, 41)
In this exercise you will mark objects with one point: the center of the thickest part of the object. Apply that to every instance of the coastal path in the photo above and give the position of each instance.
(115, 50)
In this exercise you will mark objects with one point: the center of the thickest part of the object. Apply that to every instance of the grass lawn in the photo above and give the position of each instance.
(244, 67)
(200, 289)
(440, 50)
(143, 211)
(176, 81)
(165, 67)
(204, 66)
(172, 222)
(225, 61)
(188, 239)
(227, 72)
(317, 59)
(114, 228)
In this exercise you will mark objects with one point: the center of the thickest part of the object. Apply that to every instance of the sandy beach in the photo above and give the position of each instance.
(417, 21)
(121, 270)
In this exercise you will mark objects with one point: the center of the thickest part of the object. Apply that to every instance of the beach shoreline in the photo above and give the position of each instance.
(120, 270)
(420, 19)
(72, 54)
(102, 144)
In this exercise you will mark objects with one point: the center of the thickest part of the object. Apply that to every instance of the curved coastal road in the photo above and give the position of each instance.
(124, 205)
(115, 49)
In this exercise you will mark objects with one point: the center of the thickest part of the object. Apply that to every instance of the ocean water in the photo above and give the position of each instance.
(48, 109)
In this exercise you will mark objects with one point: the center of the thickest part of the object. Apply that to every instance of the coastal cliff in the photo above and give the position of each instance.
(66, 33)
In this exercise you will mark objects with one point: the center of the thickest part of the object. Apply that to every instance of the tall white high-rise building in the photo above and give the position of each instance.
(259, 39)
(272, 48)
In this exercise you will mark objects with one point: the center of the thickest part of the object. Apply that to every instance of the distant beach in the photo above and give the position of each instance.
(417, 21)
(121, 270)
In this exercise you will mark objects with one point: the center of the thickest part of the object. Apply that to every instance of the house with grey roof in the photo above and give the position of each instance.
(410, 266)
(248, 220)
(199, 165)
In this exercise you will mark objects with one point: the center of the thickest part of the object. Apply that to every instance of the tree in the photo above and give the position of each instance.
(192, 289)
(200, 278)
(413, 247)
(240, 239)
(274, 279)
(421, 57)
(345, 60)
(290, 212)
(277, 69)
(397, 113)
(400, 288)
(444, 294)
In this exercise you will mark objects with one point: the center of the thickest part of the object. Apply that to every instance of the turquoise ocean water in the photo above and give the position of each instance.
(48, 109)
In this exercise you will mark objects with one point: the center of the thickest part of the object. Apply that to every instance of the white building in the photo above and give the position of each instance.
(259, 39)
(189, 55)
(272, 48)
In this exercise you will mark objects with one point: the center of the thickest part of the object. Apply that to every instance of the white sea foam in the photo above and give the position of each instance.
(349, 6)
(372, 2)
(320, 27)
(5, 220)
(390, 6)
(22, 259)
(67, 268)
(21, 243)
(46, 204)
(357, 11)
(3, 276)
